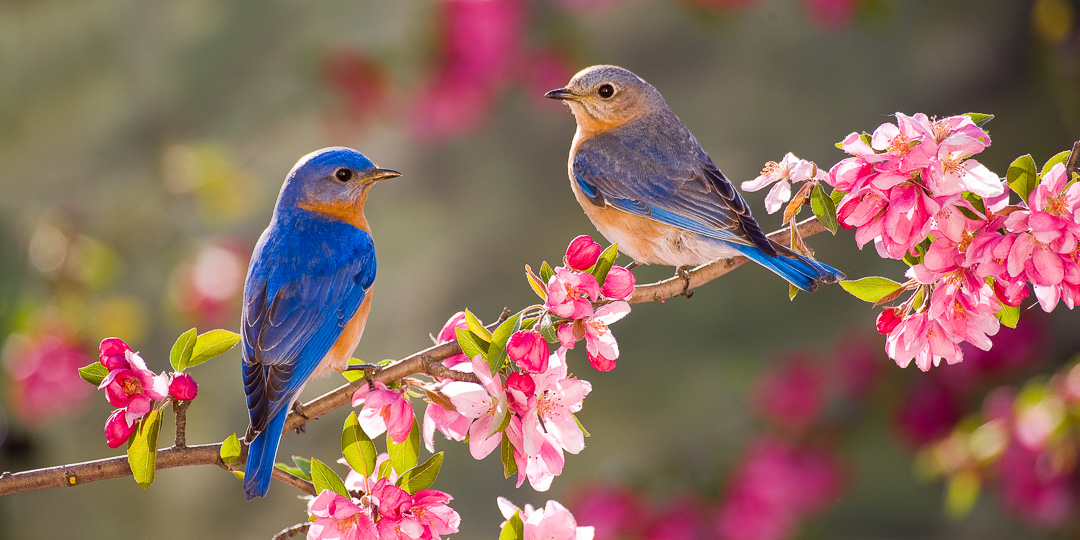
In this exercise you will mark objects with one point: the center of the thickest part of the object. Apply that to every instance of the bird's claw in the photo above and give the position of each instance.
(299, 411)
(684, 273)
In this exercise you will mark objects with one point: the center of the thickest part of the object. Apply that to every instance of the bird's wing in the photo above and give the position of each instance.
(667, 177)
(298, 299)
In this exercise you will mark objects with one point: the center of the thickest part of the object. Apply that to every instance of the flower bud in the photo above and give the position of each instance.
(113, 353)
(887, 320)
(183, 387)
(582, 253)
(117, 430)
(530, 350)
(619, 283)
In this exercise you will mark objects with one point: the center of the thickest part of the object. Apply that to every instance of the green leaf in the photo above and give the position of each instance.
(357, 447)
(182, 349)
(792, 291)
(548, 330)
(824, 208)
(1061, 157)
(870, 289)
(514, 528)
(354, 374)
(476, 327)
(1008, 315)
(534, 282)
(976, 202)
(961, 493)
(605, 262)
(497, 352)
(580, 426)
(94, 373)
(422, 475)
(1021, 176)
(837, 196)
(304, 465)
(325, 478)
(230, 450)
(142, 451)
(385, 468)
(403, 455)
(292, 470)
(211, 344)
(506, 454)
(470, 344)
(980, 119)
(546, 272)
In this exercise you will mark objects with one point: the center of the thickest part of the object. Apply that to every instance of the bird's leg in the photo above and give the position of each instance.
(684, 273)
(368, 369)
(299, 411)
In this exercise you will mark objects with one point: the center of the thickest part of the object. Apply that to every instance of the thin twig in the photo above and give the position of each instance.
(427, 361)
(1070, 165)
(180, 409)
(294, 481)
(300, 529)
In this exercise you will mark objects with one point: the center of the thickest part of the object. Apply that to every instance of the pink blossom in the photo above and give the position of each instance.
(135, 387)
(361, 82)
(452, 424)
(485, 403)
(582, 253)
(384, 411)
(619, 284)
(887, 320)
(117, 428)
(339, 517)
(541, 466)
(43, 371)
(571, 294)
(558, 398)
(521, 392)
(552, 522)
(921, 338)
(114, 353)
(859, 367)
(448, 333)
(600, 345)
(430, 510)
(789, 170)
(529, 350)
(791, 394)
(183, 387)
(965, 316)
(424, 515)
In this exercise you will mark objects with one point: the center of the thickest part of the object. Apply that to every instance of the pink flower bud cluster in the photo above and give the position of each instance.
(134, 389)
(385, 511)
(913, 189)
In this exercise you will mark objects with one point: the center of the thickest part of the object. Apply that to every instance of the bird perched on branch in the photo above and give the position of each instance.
(307, 293)
(646, 183)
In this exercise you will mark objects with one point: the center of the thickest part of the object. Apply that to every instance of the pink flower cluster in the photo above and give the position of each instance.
(913, 189)
(134, 389)
(552, 522)
(385, 512)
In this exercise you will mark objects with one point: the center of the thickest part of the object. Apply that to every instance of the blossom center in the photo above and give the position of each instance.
(901, 144)
(953, 165)
(131, 386)
(1056, 206)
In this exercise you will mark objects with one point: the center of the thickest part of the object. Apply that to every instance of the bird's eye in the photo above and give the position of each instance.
(343, 175)
(606, 90)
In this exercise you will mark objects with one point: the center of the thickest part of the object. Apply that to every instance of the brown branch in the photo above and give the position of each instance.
(294, 481)
(180, 409)
(300, 529)
(427, 361)
(1071, 163)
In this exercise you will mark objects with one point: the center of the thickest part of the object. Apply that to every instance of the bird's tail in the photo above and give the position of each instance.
(800, 271)
(261, 454)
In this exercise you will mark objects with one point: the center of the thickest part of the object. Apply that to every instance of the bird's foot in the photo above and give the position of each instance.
(684, 273)
(368, 369)
(299, 411)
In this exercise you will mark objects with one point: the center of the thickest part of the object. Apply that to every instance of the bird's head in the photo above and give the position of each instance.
(605, 97)
(333, 182)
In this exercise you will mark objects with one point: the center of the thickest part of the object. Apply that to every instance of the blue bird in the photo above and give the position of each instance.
(646, 183)
(307, 294)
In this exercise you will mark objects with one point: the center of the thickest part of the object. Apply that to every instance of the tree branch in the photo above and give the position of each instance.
(427, 361)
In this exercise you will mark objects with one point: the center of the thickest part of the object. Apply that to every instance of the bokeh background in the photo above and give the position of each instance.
(143, 143)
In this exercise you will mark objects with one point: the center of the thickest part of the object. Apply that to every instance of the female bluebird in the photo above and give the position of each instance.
(646, 183)
(307, 293)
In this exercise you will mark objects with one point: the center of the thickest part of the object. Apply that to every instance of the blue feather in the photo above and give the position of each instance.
(801, 272)
(261, 454)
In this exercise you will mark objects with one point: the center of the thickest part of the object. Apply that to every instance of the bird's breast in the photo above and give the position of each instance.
(337, 358)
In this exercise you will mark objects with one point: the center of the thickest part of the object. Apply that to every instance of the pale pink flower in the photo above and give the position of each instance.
(571, 294)
(423, 515)
(135, 388)
(529, 350)
(384, 411)
(582, 253)
(183, 387)
(117, 428)
(789, 170)
(619, 284)
(558, 398)
(540, 467)
(452, 424)
(600, 345)
(552, 522)
(338, 517)
(485, 403)
(435, 517)
(921, 338)
(963, 316)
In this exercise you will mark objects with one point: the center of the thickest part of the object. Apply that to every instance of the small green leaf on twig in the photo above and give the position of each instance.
(870, 289)
(182, 349)
(422, 475)
(211, 344)
(142, 452)
(94, 373)
(230, 450)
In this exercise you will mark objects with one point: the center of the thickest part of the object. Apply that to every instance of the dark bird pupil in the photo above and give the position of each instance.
(343, 174)
(606, 91)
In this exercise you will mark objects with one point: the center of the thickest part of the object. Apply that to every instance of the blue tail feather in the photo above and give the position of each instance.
(261, 454)
(800, 271)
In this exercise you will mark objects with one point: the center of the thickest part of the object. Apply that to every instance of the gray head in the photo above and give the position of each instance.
(605, 97)
(332, 181)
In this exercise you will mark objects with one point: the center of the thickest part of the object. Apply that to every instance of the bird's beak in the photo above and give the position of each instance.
(382, 174)
(562, 93)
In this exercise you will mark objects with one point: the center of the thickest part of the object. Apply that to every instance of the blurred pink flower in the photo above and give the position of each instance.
(529, 350)
(117, 428)
(582, 253)
(614, 512)
(44, 376)
(384, 411)
(1031, 490)
(791, 394)
(339, 517)
(832, 14)
(571, 294)
(929, 412)
(619, 284)
(207, 287)
(859, 367)
(183, 387)
(359, 80)
(680, 519)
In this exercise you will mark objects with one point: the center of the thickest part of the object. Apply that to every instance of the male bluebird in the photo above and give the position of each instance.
(646, 183)
(307, 293)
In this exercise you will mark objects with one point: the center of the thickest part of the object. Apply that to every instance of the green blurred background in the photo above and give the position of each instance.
(140, 138)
